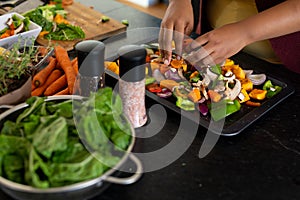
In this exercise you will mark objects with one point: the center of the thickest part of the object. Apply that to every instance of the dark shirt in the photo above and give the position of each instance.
(286, 47)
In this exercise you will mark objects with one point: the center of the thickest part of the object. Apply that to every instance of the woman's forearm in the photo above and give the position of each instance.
(276, 21)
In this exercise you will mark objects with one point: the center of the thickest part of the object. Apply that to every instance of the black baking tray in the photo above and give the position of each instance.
(234, 123)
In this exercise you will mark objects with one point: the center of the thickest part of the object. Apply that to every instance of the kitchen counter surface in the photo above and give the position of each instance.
(262, 162)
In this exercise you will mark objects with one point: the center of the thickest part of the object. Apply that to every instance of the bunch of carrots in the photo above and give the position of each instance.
(58, 77)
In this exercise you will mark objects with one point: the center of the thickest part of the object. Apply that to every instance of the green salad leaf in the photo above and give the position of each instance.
(66, 32)
(44, 16)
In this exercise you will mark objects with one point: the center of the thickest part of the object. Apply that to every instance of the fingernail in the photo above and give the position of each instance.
(166, 62)
(178, 58)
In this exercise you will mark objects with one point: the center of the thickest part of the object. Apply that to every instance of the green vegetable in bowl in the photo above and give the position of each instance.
(43, 148)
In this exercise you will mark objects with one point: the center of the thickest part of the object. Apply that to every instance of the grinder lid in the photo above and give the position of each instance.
(132, 59)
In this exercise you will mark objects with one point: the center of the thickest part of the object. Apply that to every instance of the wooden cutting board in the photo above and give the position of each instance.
(89, 20)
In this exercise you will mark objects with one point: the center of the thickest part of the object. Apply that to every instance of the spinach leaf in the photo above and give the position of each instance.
(74, 152)
(14, 167)
(66, 32)
(34, 103)
(10, 128)
(92, 133)
(120, 139)
(36, 16)
(88, 168)
(64, 109)
(12, 145)
(38, 171)
(51, 138)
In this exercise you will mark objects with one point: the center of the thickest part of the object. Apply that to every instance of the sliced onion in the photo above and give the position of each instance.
(248, 72)
(257, 79)
(172, 74)
(165, 93)
(157, 75)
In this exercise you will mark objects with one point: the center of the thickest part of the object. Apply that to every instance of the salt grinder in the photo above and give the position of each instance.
(90, 54)
(132, 59)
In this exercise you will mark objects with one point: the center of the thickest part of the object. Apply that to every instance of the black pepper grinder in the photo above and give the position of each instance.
(132, 60)
(90, 54)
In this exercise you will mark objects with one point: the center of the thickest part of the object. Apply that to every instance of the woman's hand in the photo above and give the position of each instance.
(217, 45)
(177, 22)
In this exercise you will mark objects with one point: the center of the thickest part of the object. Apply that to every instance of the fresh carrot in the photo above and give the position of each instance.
(41, 77)
(67, 2)
(32, 86)
(55, 74)
(56, 86)
(75, 65)
(6, 34)
(60, 83)
(63, 92)
(65, 63)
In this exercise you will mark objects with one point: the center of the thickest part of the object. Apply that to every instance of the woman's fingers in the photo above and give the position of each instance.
(165, 44)
(178, 39)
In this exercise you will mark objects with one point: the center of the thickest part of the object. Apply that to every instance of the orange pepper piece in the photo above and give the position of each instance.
(176, 63)
(258, 94)
(214, 96)
(194, 95)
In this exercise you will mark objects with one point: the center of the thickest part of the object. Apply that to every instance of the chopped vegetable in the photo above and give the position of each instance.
(271, 89)
(258, 94)
(180, 92)
(194, 95)
(125, 22)
(104, 19)
(224, 108)
(168, 84)
(224, 83)
(154, 88)
(253, 104)
(247, 84)
(14, 25)
(165, 92)
(149, 80)
(243, 96)
(185, 104)
(216, 69)
(239, 72)
(176, 63)
(113, 66)
(214, 96)
(172, 74)
(203, 108)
